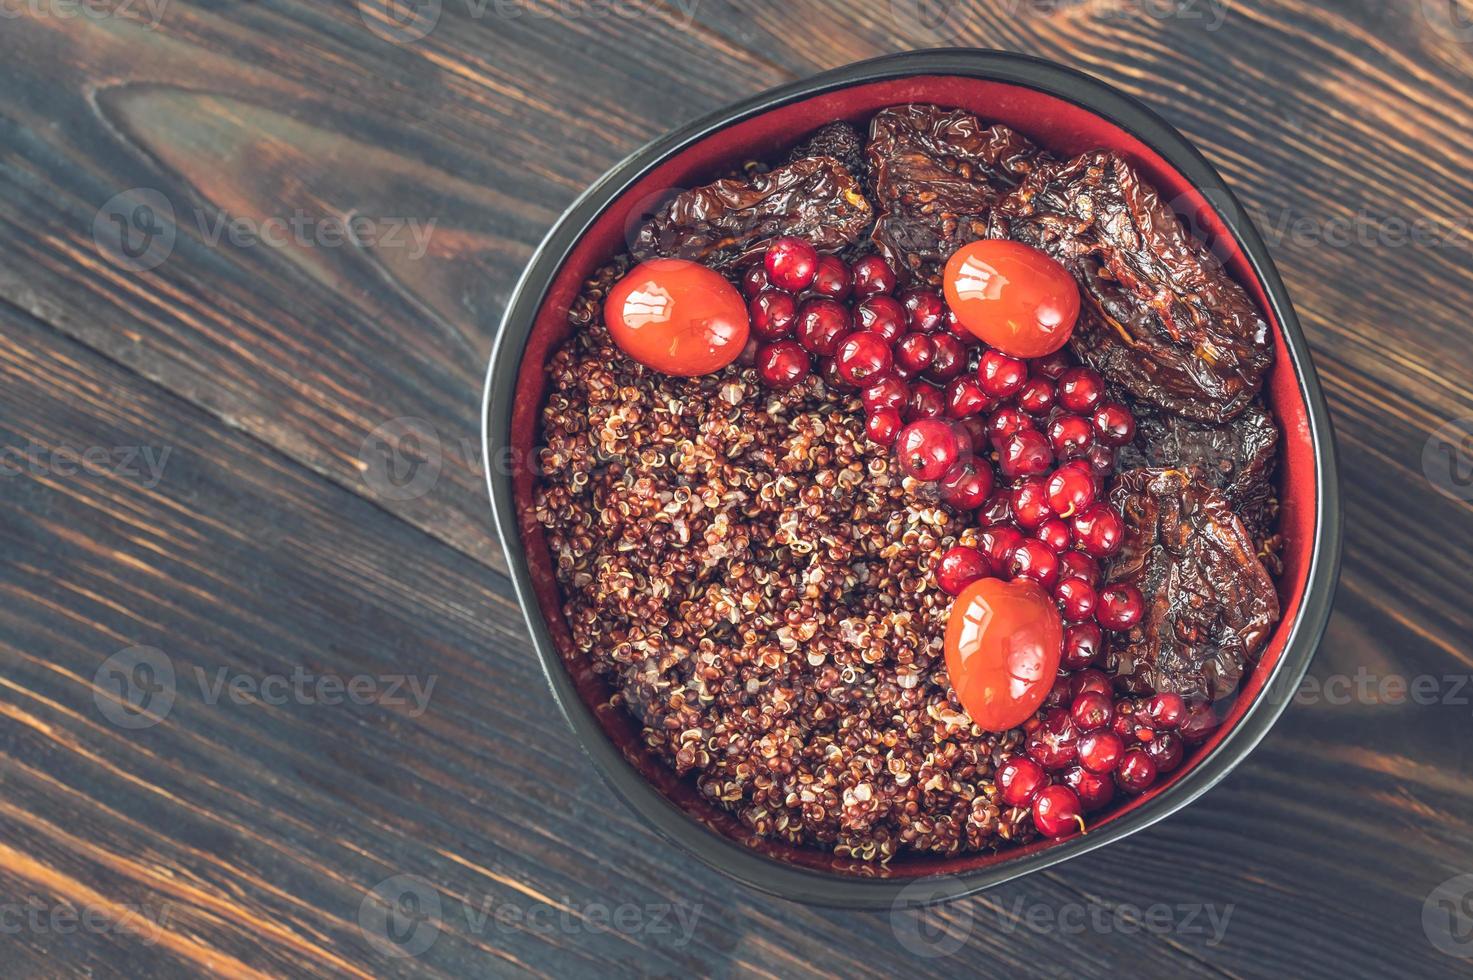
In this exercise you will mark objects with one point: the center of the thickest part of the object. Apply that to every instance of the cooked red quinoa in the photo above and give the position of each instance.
(753, 577)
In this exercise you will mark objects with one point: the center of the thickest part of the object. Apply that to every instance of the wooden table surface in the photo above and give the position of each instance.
(241, 487)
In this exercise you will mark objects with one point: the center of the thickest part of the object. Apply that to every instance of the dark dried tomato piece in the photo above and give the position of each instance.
(937, 174)
(729, 223)
(838, 140)
(1210, 603)
(1162, 317)
(1238, 457)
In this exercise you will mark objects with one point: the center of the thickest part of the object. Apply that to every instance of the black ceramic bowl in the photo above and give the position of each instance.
(1067, 112)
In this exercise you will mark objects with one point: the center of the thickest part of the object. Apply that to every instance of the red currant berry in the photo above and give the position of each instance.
(959, 567)
(1137, 772)
(1091, 710)
(1199, 724)
(1166, 751)
(1053, 366)
(1076, 599)
(997, 510)
(1082, 644)
(1036, 396)
(1057, 695)
(791, 264)
(955, 328)
(999, 542)
(773, 314)
(1166, 710)
(882, 315)
(822, 323)
(1076, 564)
(1001, 376)
(928, 448)
(1113, 424)
(886, 393)
(1034, 561)
(1057, 811)
(828, 370)
(926, 309)
(754, 280)
(1120, 607)
(1004, 422)
(967, 484)
(1080, 390)
(1125, 723)
(965, 398)
(1095, 790)
(926, 402)
(748, 357)
(1070, 435)
(1030, 503)
(1089, 679)
(949, 359)
(1071, 489)
(783, 364)
(1024, 453)
(1054, 744)
(914, 352)
(873, 276)
(1054, 533)
(882, 426)
(1102, 459)
(1101, 751)
(1019, 780)
(864, 358)
(1098, 530)
(832, 278)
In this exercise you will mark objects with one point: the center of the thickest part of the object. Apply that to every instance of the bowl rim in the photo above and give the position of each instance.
(768, 874)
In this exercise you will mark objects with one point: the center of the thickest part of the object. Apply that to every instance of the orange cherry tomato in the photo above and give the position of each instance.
(1003, 643)
(1012, 296)
(677, 317)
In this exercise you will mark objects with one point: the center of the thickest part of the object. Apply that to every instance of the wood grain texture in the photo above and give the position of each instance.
(244, 834)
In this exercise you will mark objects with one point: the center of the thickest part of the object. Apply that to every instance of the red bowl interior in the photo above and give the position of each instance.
(1063, 128)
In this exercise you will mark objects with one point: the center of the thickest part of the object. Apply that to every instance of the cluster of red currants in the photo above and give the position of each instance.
(1025, 444)
(950, 407)
(1075, 757)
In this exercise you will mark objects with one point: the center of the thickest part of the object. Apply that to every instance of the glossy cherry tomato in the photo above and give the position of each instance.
(677, 317)
(1012, 297)
(1003, 643)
